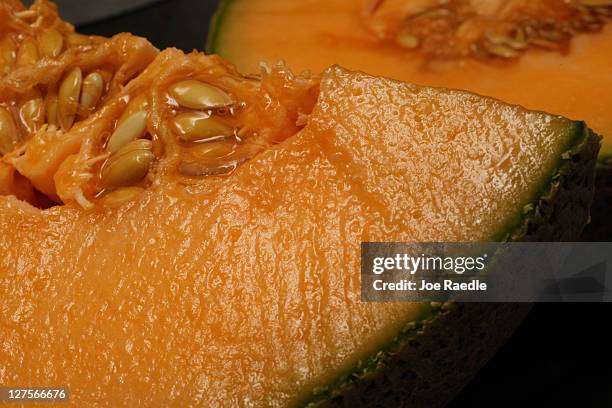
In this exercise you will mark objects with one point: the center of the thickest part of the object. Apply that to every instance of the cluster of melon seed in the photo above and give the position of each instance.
(460, 28)
(25, 50)
(76, 96)
(581, 16)
(43, 35)
(130, 153)
(197, 124)
(202, 124)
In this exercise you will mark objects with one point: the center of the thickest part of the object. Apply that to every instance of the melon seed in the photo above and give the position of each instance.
(139, 103)
(496, 38)
(408, 41)
(138, 144)
(31, 113)
(199, 95)
(93, 85)
(68, 98)
(27, 53)
(77, 39)
(7, 51)
(133, 127)
(50, 43)
(501, 50)
(121, 196)
(194, 126)
(25, 14)
(212, 150)
(8, 131)
(129, 165)
(194, 169)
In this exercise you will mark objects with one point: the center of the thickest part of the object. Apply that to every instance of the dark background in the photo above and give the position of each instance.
(560, 356)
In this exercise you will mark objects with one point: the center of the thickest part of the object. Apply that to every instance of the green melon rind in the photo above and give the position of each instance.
(559, 199)
(431, 359)
(216, 24)
(600, 227)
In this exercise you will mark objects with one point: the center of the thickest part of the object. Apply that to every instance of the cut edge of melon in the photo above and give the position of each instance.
(575, 170)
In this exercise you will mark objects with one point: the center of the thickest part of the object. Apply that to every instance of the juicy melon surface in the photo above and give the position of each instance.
(245, 290)
(314, 34)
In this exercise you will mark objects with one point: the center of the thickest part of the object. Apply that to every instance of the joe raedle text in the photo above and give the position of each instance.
(403, 272)
(473, 285)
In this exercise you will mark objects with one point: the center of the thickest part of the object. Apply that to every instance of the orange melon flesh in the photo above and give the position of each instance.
(314, 34)
(244, 290)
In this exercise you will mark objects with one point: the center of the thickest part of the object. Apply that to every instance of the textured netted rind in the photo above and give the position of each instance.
(600, 227)
(568, 198)
(434, 358)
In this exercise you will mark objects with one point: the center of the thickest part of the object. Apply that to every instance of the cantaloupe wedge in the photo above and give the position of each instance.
(243, 288)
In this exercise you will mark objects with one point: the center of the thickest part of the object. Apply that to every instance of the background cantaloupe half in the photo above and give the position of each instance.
(244, 290)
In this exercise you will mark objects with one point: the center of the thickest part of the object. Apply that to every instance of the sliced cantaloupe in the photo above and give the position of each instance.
(313, 34)
(243, 289)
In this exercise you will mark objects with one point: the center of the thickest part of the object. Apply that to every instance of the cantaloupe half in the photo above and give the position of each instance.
(243, 289)
(313, 34)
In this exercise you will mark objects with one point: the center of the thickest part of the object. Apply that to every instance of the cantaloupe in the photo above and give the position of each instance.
(194, 270)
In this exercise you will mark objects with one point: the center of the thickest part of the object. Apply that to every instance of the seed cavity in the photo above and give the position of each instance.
(129, 165)
(51, 43)
(68, 98)
(9, 137)
(195, 126)
(133, 127)
(459, 29)
(196, 94)
(93, 85)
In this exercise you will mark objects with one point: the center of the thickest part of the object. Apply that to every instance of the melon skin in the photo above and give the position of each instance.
(599, 228)
(432, 362)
